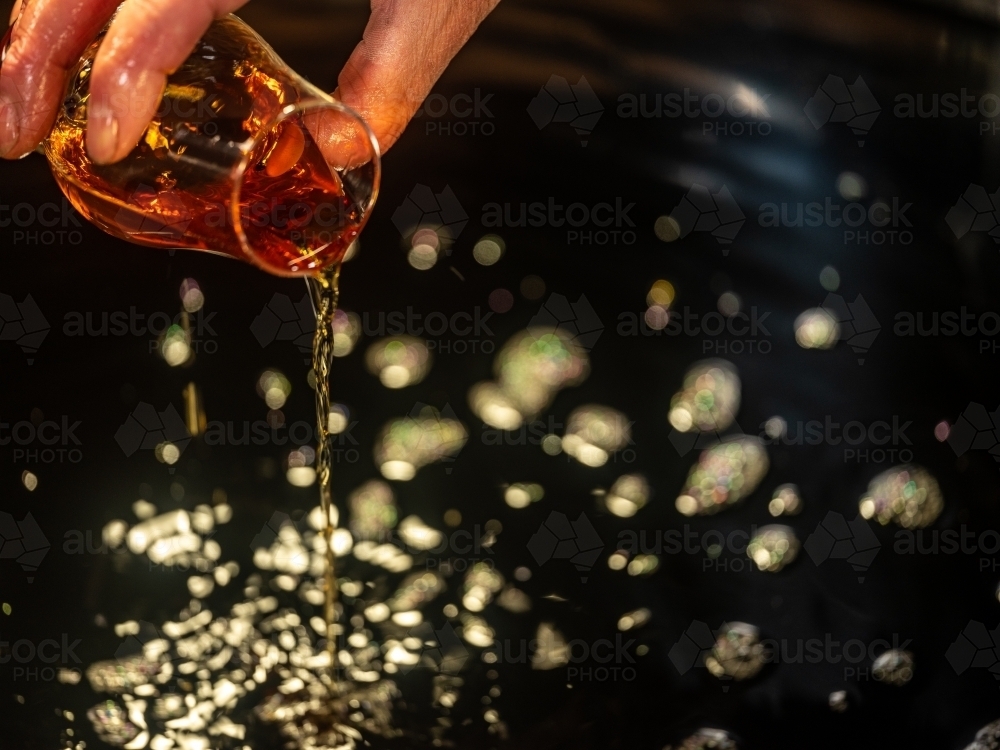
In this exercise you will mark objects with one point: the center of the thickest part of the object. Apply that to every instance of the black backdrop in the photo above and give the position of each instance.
(782, 51)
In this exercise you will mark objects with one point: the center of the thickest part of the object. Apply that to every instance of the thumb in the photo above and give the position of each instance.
(406, 46)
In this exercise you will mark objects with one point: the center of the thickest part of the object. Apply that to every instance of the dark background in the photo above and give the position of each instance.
(784, 49)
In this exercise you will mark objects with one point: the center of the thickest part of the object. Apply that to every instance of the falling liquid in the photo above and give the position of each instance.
(325, 291)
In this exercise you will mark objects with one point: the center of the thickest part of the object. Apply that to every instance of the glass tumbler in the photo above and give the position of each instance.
(243, 158)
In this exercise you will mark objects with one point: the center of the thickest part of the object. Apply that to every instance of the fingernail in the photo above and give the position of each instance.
(9, 130)
(102, 136)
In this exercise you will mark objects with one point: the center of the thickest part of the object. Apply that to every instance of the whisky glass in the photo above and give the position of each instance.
(243, 158)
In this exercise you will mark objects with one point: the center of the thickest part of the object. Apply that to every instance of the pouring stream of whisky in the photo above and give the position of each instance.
(324, 290)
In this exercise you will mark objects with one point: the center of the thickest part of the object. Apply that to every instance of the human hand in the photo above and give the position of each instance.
(407, 44)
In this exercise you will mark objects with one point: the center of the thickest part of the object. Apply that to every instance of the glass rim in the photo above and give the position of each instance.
(317, 101)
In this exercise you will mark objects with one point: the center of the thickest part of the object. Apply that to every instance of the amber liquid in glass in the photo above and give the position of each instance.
(175, 189)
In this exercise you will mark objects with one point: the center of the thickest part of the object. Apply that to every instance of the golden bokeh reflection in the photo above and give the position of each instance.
(488, 250)
(737, 653)
(29, 480)
(399, 361)
(521, 494)
(373, 510)
(634, 619)
(405, 445)
(531, 368)
(346, 332)
(707, 739)
(908, 495)
(192, 298)
(773, 547)
(708, 399)
(274, 388)
(661, 293)
(594, 432)
(666, 228)
(893, 667)
(786, 501)
(725, 474)
(425, 246)
(627, 495)
(817, 328)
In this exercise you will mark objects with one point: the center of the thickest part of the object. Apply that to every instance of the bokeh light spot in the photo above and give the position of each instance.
(667, 229)
(501, 300)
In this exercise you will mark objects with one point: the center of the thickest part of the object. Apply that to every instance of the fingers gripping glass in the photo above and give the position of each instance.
(243, 157)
